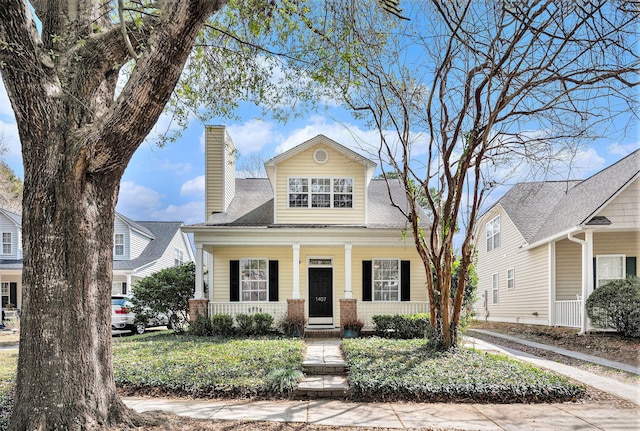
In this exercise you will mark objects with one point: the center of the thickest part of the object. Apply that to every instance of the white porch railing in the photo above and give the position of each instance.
(368, 309)
(568, 313)
(277, 309)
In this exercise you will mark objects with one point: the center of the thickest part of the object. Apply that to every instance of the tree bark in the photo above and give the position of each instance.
(76, 142)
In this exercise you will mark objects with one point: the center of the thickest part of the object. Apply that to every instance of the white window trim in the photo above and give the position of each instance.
(511, 278)
(373, 280)
(178, 256)
(10, 243)
(116, 245)
(623, 257)
(331, 193)
(493, 235)
(495, 288)
(5, 291)
(240, 277)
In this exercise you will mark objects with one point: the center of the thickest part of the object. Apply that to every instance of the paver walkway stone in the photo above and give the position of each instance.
(325, 368)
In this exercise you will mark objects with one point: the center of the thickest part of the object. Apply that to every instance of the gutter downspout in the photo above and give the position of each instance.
(583, 244)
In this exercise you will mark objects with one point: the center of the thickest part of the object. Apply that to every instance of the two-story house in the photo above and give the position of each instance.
(545, 246)
(140, 249)
(319, 235)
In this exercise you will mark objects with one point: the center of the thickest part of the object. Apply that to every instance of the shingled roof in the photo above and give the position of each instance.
(162, 233)
(253, 205)
(541, 210)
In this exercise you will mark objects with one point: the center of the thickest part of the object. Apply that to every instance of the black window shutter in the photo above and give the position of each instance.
(13, 294)
(124, 287)
(631, 262)
(595, 275)
(273, 281)
(234, 280)
(405, 280)
(366, 280)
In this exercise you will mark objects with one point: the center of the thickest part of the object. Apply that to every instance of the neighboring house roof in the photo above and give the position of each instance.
(16, 218)
(541, 210)
(162, 233)
(136, 225)
(253, 205)
(10, 264)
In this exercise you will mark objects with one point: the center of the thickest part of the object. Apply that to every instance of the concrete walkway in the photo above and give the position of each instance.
(539, 417)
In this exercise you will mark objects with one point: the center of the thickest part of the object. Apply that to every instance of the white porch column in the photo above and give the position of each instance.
(210, 275)
(551, 256)
(348, 294)
(199, 293)
(129, 287)
(296, 271)
(588, 236)
(585, 281)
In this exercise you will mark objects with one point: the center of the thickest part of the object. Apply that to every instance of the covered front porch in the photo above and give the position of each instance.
(581, 262)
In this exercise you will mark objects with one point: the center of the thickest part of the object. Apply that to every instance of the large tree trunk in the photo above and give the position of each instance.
(65, 377)
(76, 142)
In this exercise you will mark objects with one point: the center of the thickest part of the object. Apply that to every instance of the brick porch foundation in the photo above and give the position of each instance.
(198, 306)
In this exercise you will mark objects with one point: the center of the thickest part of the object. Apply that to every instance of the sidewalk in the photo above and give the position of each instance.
(540, 417)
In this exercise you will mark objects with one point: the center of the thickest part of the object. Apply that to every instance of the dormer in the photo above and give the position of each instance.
(320, 182)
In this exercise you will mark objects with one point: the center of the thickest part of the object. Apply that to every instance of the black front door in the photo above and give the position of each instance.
(320, 295)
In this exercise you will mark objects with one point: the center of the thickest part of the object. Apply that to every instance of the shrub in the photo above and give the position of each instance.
(201, 327)
(403, 326)
(222, 324)
(245, 324)
(617, 305)
(355, 324)
(293, 325)
(167, 291)
(283, 381)
(262, 323)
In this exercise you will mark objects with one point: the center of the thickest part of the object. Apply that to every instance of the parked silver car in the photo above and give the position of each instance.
(122, 316)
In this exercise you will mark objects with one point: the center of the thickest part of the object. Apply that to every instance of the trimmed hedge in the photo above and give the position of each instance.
(403, 326)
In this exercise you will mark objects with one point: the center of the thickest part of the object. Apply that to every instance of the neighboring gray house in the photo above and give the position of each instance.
(140, 249)
(544, 246)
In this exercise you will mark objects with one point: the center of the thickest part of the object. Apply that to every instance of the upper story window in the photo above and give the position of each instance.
(6, 243)
(118, 244)
(493, 234)
(386, 279)
(179, 257)
(609, 268)
(254, 279)
(320, 192)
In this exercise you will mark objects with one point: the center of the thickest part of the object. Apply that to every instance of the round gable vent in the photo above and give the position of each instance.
(320, 155)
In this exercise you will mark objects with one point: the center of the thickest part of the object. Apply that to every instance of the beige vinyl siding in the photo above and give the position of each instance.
(120, 227)
(627, 243)
(624, 210)
(530, 294)
(219, 169)
(304, 166)
(568, 270)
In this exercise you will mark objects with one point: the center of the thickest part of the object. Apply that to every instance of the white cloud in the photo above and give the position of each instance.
(178, 168)
(253, 135)
(189, 213)
(138, 202)
(193, 187)
(623, 149)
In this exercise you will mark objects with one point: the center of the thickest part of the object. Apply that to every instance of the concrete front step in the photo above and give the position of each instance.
(333, 368)
(322, 387)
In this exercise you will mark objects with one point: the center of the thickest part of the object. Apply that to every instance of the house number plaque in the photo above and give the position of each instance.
(321, 299)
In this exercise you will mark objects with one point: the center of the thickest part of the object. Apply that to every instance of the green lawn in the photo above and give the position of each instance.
(8, 364)
(203, 366)
(382, 369)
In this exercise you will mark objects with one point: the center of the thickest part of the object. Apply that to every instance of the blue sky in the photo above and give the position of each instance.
(167, 183)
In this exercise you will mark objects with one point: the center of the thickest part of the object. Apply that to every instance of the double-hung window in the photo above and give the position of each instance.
(386, 279)
(320, 192)
(511, 278)
(179, 257)
(4, 293)
(118, 247)
(609, 268)
(493, 234)
(6, 243)
(254, 279)
(494, 288)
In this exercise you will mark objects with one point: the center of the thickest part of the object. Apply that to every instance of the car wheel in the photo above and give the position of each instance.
(140, 328)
